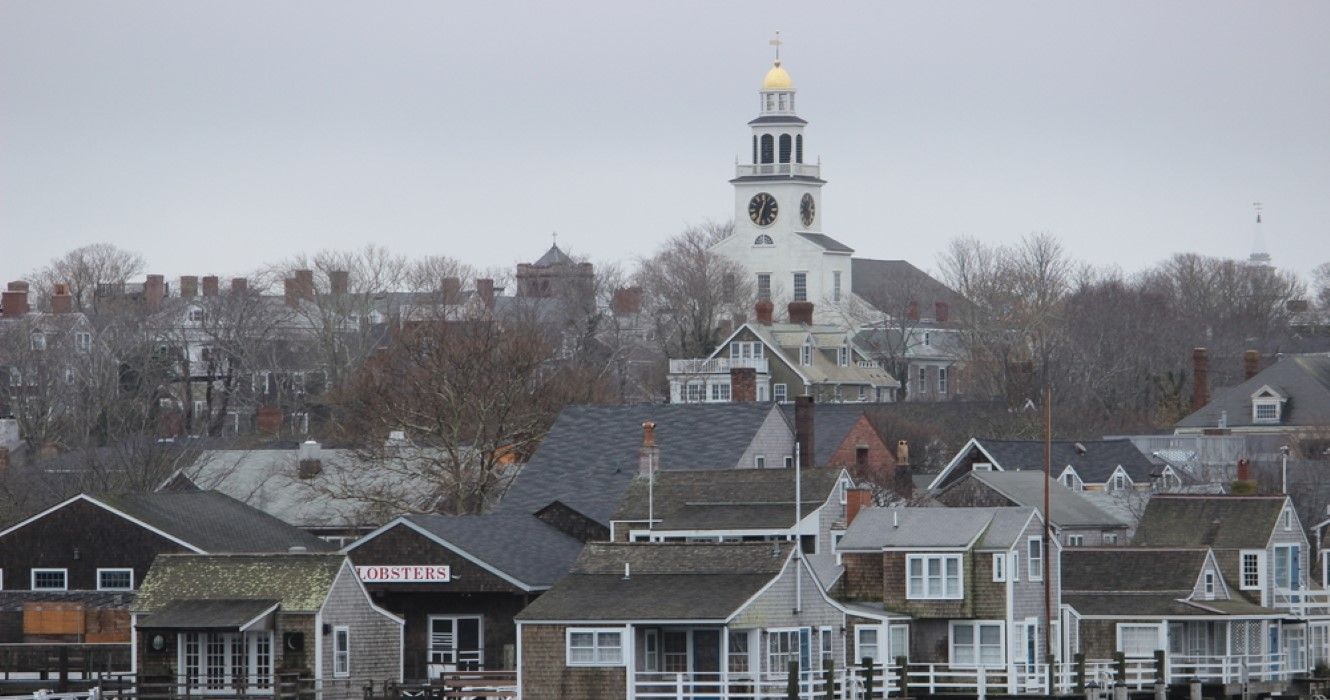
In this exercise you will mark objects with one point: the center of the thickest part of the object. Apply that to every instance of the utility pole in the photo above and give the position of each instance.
(1048, 528)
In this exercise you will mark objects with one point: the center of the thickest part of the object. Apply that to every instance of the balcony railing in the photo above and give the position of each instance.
(1303, 602)
(717, 365)
(785, 169)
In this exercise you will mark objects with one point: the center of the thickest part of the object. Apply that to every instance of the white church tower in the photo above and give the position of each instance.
(778, 210)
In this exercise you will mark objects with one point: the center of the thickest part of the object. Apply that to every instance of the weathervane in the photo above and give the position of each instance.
(776, 43)
(1258, 206)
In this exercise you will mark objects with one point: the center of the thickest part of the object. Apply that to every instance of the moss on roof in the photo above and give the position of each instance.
(300, 582)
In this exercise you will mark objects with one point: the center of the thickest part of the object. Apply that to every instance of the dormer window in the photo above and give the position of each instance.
(196, 315)
(843, 356)
(1267, 406)
(806, 353)
(1119, 482)
(38, 341)
(928, 339)
(764, 240)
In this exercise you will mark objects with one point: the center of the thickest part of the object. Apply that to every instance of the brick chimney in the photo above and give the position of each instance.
(14, 301)
(452, 290)
(912, 311)
(743, 384)
(941, 311)
(801, 312)
(268, 420)
(1200, 379)
(211, 286)
(339, 282)
(648, 459)
(189, 286)
(903, 452)
(855, 501)
(803, 428)
(627, 300)
(290, 292)
(485, 290)
(310, 460)
(239, 285)
(1251, 363)
(62, 302)
(763, 310)
(1244, 469)
(154, 290)
(304, 280)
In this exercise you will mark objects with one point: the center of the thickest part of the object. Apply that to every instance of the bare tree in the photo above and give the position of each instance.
(689, 289)
(84, 270)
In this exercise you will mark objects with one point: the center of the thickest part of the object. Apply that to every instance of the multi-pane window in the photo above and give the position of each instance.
(1265, 410)
(1139, 640)
(1075, 540)
(764, 285)
(779, 393)
(933, 576)
(743, 350)
(596, 647)
(941, 380)
(115, 579)
(866, 644)
(806, 353)
(801, 286)
(976, 644)
(1000, 566)
(923, 380)
(738, 661)
(226, 661)
(720, 392)
(676, 651)
(341, 652)
(782, 649)
(843, 356)
(696, 392)
(1035, 560)
(50, 579)
(835, 285)
(759, 461)
(38, 340)
(83, 340)
(1209, 585)
(1251, 570)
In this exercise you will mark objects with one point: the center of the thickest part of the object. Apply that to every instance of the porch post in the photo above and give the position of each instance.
(725, 663)
(629, 661)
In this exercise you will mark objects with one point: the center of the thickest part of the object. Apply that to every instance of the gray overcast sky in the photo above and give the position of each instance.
(214, 137)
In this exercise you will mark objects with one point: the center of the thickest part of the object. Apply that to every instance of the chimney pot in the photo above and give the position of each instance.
(239, 285)
(763, 310)
(17, 286)
(902, 453)
(485, 290)
(452, 290)
(154, 290)
(339, 281)
(649, 456)
(210, 286)
(62, 302)
(304, 284)
(801, 312)
(189, 286)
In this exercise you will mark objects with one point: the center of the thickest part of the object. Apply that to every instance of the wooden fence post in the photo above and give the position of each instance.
(1051, 688)
(829, 678)
(868, 677)
(1161, 667)
(792, 681)
(1120, 667)
(1080, 673)
(904, 665)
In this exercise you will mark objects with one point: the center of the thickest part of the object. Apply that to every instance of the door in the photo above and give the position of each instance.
(455, 643)
(706, 663)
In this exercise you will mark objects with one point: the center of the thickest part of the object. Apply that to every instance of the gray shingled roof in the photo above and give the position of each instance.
(1067, 508)
(300, 582)
(738, 498)
(873, 279)
(591, 453)
(832, 422)
(1303, 379)
(1095, 465)
(1132, 569)
(208, 614)
(553, 256)
(665, 582)
(517, 544)
(826, 242)
(1221, 522)
(876, 528)
(213, 521)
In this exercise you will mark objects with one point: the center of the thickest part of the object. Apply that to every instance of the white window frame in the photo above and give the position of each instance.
(1258, 555)
(1208, 584)
(1075, 540)
(1110, 538)
(1275, 404)
(2, 579)
(780, 392)
(927, 592)
(1160, 638)
(1287, 518)
(976, 643)
(1035, 564)
(759, 461)
(38, 340)
(806, 352)
(1000, 567)
(597, 659)
(761, 292)
(651, 650)
(716, 393)
(32, 583)
(878, 635)
(1014, 571)
(798, 278)
(83, 340)
(341, 656)
(1118, 482)
(835, 285)
(117, 570)
(789, 461)
(843, 356)
(942, 380)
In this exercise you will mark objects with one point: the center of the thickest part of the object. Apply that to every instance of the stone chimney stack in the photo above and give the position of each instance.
(211, 286)
(763, 309)
(803, 429)
(1200, 379)
(189, 286)
(154, 290)
(801, 312)
(239, 285)
(485, 290)
(649, 457)
(339, 282)
(15, 300)
(62, 302)
(1251, 363)
(310, 458)
(452, 290)
(743, 384)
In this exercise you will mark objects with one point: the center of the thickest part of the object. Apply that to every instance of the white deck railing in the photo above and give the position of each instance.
(787, 169)
(716, 365)
(1303, 602)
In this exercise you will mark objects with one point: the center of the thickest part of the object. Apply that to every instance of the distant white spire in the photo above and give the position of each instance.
(1259, 255)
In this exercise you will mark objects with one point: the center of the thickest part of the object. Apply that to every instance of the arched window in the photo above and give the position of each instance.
(763, 239)
(754, 149)
(799, 148)
(784, 148)
(768, 149)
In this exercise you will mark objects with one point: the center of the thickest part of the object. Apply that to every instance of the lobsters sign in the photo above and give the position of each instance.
(428, 573)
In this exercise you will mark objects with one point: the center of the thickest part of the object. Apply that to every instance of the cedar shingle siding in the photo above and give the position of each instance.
(546, 677)
(375, 641)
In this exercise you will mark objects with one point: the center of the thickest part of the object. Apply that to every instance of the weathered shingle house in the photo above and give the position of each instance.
(1139, 600)
(1076, 520)
(1091, 465)
(971, 580)
(630, 617)
(843, 436)
(229, 624)
(83, 559)
(1291, 395)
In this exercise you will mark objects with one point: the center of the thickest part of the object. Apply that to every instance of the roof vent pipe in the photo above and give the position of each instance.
(627, 571)
(895, 518)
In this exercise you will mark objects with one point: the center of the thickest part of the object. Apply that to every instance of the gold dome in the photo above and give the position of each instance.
(777, 78)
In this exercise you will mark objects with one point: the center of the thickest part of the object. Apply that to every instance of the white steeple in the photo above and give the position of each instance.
(1259, 255)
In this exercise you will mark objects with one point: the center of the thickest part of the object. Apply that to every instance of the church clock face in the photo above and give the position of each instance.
(762, 209)
(807, 209)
